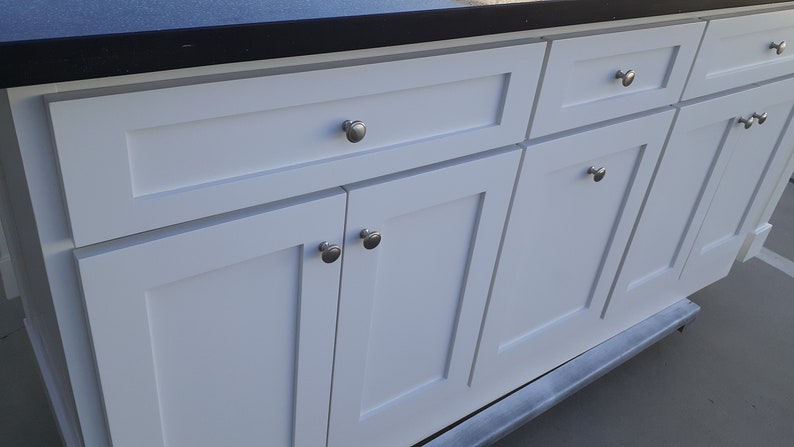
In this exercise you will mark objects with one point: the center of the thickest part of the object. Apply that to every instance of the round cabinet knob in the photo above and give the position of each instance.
(747, 122)
(761, 118)
(371, 238)
(355, 131)
(627, 77)
(330, 252)
(598, 173)
(778, 47)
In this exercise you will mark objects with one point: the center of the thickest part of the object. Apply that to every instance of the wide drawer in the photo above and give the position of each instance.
(581, 84)
(742, 50)
(136, 161)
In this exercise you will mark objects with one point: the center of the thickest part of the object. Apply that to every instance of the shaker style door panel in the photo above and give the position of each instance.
(749, 177)
(696, 214)
(567, 232)
(221, 335)
(411, 307)
(695, 155)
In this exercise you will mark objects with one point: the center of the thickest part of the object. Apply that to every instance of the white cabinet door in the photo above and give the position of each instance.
(562, 246)
(695, 153)
(753, 171)
(704, 188)
(221, 335)
(410, 309)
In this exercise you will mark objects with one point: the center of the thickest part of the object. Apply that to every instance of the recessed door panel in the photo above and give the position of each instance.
(218, 335)
(411, 307)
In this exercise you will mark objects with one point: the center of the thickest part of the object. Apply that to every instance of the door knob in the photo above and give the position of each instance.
(371, 238)
(761, 118)
(355, 131)
(598, 173)
(747, 122)
(627, 77)
(778, 47)
(330, 252)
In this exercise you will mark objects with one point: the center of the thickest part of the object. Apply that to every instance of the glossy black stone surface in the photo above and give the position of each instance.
(45, 41)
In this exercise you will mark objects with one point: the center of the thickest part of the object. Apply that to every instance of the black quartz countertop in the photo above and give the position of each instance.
(45, 41)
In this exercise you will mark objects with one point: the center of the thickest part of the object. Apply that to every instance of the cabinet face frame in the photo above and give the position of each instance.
(635, 145)
(448, 266)
(119, 285)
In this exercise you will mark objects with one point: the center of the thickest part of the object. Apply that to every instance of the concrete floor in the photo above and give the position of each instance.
(728, 380)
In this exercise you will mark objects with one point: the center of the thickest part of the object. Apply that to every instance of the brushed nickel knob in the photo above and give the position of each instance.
(627, 77)
(371, 238)
(761, 118)
(778, 47)
(598, 173)
(747, 122)
(330, 252)
(355, 131)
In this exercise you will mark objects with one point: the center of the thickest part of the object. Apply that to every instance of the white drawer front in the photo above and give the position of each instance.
(137, 161)
(736, 51)
(580, 85)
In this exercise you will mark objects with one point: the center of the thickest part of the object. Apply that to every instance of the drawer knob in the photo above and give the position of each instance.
(627, 77)
(371, 238)
(598, 173)
(778, 47)
(354, 130)
(747, 122)
(330, 252)
(761, 118)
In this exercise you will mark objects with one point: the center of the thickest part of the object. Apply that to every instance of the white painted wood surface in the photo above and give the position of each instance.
(222, 335)
(735, 52)
(405, 351)
(171, 155)
(563, 243)
(579, 85)
(696, 153)
(751, 175)
(715, 169)
(410, 309)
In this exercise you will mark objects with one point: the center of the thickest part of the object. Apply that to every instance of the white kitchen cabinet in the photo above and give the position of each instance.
(707, 180)
(218, 335)
(565, 236)
(169, 225)
(410, 308)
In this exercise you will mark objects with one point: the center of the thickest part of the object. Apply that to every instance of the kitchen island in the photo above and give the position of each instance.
(317, 227)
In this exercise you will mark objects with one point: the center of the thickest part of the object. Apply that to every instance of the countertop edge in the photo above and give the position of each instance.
(95, 56)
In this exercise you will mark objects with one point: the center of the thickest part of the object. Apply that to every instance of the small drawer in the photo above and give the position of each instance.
(132, 162)
(743, 50)
(581, 84)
